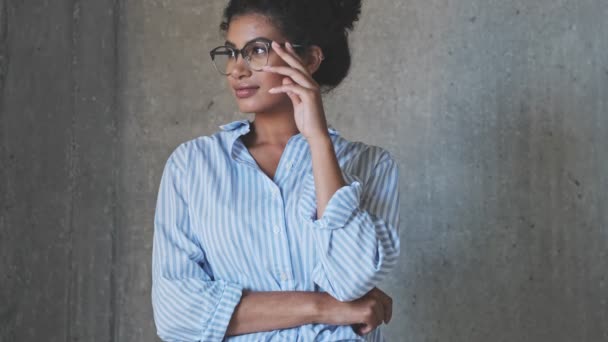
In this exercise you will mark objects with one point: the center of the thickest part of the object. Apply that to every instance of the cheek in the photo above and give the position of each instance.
(270, 79)
(273, 78)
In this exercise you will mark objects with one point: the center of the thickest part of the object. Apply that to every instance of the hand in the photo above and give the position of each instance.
(375, 307)
(363, 314)
(303, 91)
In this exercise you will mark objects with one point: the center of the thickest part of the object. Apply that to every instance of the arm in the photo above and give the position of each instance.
(357, 232)
(188, 304)
(264, 311)
(326, 171)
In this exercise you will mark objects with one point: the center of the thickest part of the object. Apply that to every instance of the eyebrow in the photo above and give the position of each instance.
(229, 43)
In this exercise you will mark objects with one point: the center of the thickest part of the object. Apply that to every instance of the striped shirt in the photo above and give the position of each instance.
(221, 225)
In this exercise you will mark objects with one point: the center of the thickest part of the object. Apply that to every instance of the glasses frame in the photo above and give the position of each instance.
(236, 52)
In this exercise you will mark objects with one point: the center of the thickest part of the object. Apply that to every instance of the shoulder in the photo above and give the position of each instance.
(197, 149)
(361, 155)
(364, 162)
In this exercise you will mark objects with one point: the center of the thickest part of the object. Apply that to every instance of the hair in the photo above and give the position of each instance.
(324, 23)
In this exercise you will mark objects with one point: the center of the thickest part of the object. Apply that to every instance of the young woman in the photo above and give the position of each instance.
(278, 229)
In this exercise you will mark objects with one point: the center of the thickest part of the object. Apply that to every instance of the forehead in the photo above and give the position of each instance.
(244, 28)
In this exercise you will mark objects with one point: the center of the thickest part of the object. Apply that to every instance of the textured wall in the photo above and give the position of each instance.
(496, 110)
(59, 158)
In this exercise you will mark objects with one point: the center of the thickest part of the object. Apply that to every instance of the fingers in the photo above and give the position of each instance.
(304, 83)
(388, 309)
(362, 329)
(365, 329)
(303, 93)
(294, 98)
(374, 308)
(379, 315)
(387, 303)
(373, 321)
(373, 316)
(293, 52)
(295, 74)
(292, 60)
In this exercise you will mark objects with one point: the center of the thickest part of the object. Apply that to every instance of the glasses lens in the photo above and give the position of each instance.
(223, 58)
(257, 55)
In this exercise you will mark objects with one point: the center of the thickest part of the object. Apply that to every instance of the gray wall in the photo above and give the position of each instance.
(496, 110)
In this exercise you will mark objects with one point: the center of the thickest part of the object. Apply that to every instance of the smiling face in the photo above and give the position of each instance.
(255, 98)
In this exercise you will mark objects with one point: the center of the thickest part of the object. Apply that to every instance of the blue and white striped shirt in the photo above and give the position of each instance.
(222, 225)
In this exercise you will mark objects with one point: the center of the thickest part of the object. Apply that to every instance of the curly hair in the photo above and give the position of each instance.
(324, 23)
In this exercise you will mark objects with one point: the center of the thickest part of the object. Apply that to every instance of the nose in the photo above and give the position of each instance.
(239, 68)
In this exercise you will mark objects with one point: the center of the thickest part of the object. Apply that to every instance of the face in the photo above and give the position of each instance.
(256, 99)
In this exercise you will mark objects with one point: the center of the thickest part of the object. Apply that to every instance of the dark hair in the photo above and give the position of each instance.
(324, 23)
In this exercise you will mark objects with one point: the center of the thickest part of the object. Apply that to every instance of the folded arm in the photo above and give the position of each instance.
(357, 234)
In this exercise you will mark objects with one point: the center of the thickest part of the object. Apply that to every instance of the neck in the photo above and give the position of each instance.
(273, 128)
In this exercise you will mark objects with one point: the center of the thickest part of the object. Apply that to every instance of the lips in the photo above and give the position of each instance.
(244, 91)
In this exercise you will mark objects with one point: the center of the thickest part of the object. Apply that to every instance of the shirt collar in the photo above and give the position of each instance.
(240, 127)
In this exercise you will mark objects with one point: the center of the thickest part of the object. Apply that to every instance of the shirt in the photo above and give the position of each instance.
(222, 225)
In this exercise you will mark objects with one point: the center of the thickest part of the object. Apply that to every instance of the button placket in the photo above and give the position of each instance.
(275, 191)
(284, 274)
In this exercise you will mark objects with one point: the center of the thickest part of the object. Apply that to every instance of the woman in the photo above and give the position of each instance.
(277, 229)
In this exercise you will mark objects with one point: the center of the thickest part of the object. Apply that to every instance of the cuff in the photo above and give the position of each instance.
(340, 207)
(224, 310)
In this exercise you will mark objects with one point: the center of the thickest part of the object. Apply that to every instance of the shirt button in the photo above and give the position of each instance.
(289, 165)
(276, 230)
(283, 276)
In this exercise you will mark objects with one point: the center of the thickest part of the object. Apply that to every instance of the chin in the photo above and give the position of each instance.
(249, 107)
(253, 105)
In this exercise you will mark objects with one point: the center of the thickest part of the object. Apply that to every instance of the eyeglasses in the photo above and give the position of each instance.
(255, 53)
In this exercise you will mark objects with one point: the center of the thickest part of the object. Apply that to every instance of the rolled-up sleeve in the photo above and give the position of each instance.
(358, 234)
(188, 304)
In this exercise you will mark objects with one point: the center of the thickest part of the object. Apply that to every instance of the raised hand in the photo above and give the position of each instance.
(303, 91)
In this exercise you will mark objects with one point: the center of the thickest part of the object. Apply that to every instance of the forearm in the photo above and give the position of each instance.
(264, 311)
(326, 171)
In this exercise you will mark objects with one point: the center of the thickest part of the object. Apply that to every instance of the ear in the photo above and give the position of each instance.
(314, 58)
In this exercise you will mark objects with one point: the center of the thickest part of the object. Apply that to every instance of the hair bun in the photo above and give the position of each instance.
(346, 12)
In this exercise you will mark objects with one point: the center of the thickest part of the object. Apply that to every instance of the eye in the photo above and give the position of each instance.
(258, 50)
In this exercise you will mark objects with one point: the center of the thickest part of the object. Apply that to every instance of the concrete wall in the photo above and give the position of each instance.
(496, 110)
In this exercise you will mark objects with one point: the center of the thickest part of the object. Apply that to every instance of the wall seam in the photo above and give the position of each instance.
(72, 271)
(115, 110)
